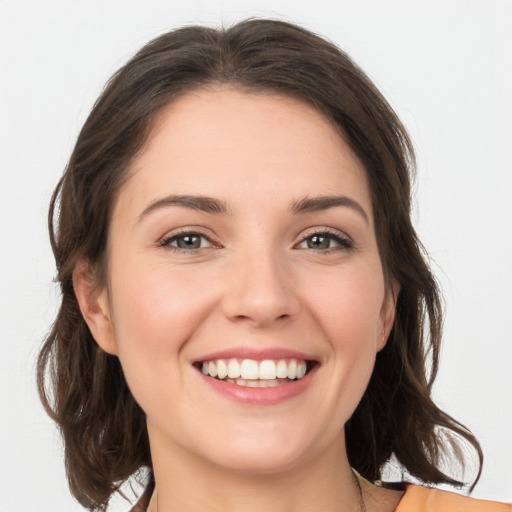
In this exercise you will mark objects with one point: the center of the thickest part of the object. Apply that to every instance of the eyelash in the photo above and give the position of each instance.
(344, 243)
(167, 241)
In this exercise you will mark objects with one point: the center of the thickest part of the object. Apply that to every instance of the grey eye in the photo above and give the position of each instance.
(326, 241)
(188, 241)
(319, 241)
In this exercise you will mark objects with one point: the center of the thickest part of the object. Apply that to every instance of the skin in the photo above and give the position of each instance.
(256, 281)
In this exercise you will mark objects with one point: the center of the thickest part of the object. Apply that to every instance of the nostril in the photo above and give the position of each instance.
(259, 297)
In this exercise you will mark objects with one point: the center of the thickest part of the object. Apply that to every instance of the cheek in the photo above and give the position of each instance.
(348, 306)
(155, 306)
(155, 312)
(345, 305)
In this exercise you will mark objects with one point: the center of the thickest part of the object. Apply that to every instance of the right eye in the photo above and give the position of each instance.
(188, 241)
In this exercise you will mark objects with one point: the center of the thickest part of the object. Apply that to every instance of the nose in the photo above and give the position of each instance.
(260, 289)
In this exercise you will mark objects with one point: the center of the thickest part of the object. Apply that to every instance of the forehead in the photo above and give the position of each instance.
(231, 144)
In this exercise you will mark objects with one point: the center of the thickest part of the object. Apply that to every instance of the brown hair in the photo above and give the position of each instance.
(84, 389)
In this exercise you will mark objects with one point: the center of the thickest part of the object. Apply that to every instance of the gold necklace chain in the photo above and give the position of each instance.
(359, 488)
(356, 480)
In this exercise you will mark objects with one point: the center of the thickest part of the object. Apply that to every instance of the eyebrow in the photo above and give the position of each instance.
(201, 203)
(315, 204)
(215, 206)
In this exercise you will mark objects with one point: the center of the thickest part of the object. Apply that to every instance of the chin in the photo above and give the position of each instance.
(261, 454)
(263, 462)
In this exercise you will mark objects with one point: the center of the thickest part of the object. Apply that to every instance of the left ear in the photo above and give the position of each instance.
(387, 314)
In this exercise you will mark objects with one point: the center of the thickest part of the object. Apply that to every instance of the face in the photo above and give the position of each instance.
(242, 254)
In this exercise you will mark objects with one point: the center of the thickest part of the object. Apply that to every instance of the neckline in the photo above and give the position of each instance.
(144, 500)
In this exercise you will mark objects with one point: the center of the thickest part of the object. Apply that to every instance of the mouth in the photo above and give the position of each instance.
(254, 373)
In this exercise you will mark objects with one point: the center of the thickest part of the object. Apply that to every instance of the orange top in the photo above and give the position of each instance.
(415, 499)
(426, 499)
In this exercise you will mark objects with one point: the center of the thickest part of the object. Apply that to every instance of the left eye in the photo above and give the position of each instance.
(324, 241)
(187, 241)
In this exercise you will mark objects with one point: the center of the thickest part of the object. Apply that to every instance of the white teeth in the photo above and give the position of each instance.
(282, 370)
(255, 383)
(249, 369)
(222, 369)
(292, 369)
(233, 369)
(254, 373)
(212, 369)
(267, 370)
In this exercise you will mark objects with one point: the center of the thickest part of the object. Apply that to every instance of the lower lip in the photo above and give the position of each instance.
(260, 396)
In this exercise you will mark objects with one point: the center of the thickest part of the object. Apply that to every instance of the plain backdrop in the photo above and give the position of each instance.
(445, 66)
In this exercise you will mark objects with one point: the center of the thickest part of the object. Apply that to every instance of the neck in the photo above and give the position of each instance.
(187, 483)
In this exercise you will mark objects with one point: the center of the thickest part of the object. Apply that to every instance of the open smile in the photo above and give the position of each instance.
(253, 373)
(258, 381)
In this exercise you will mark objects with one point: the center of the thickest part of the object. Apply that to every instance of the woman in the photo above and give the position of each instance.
(247, 311)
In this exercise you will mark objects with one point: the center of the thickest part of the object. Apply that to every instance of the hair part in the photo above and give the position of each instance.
(84, 389)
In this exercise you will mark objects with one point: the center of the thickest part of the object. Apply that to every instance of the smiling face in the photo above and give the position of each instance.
(245, 298)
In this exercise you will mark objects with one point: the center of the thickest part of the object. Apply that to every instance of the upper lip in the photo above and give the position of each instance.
(258, 354)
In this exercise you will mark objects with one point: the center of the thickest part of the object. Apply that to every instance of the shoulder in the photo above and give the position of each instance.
(426, 499)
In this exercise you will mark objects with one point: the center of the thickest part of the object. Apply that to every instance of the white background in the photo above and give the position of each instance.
(445, 66)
